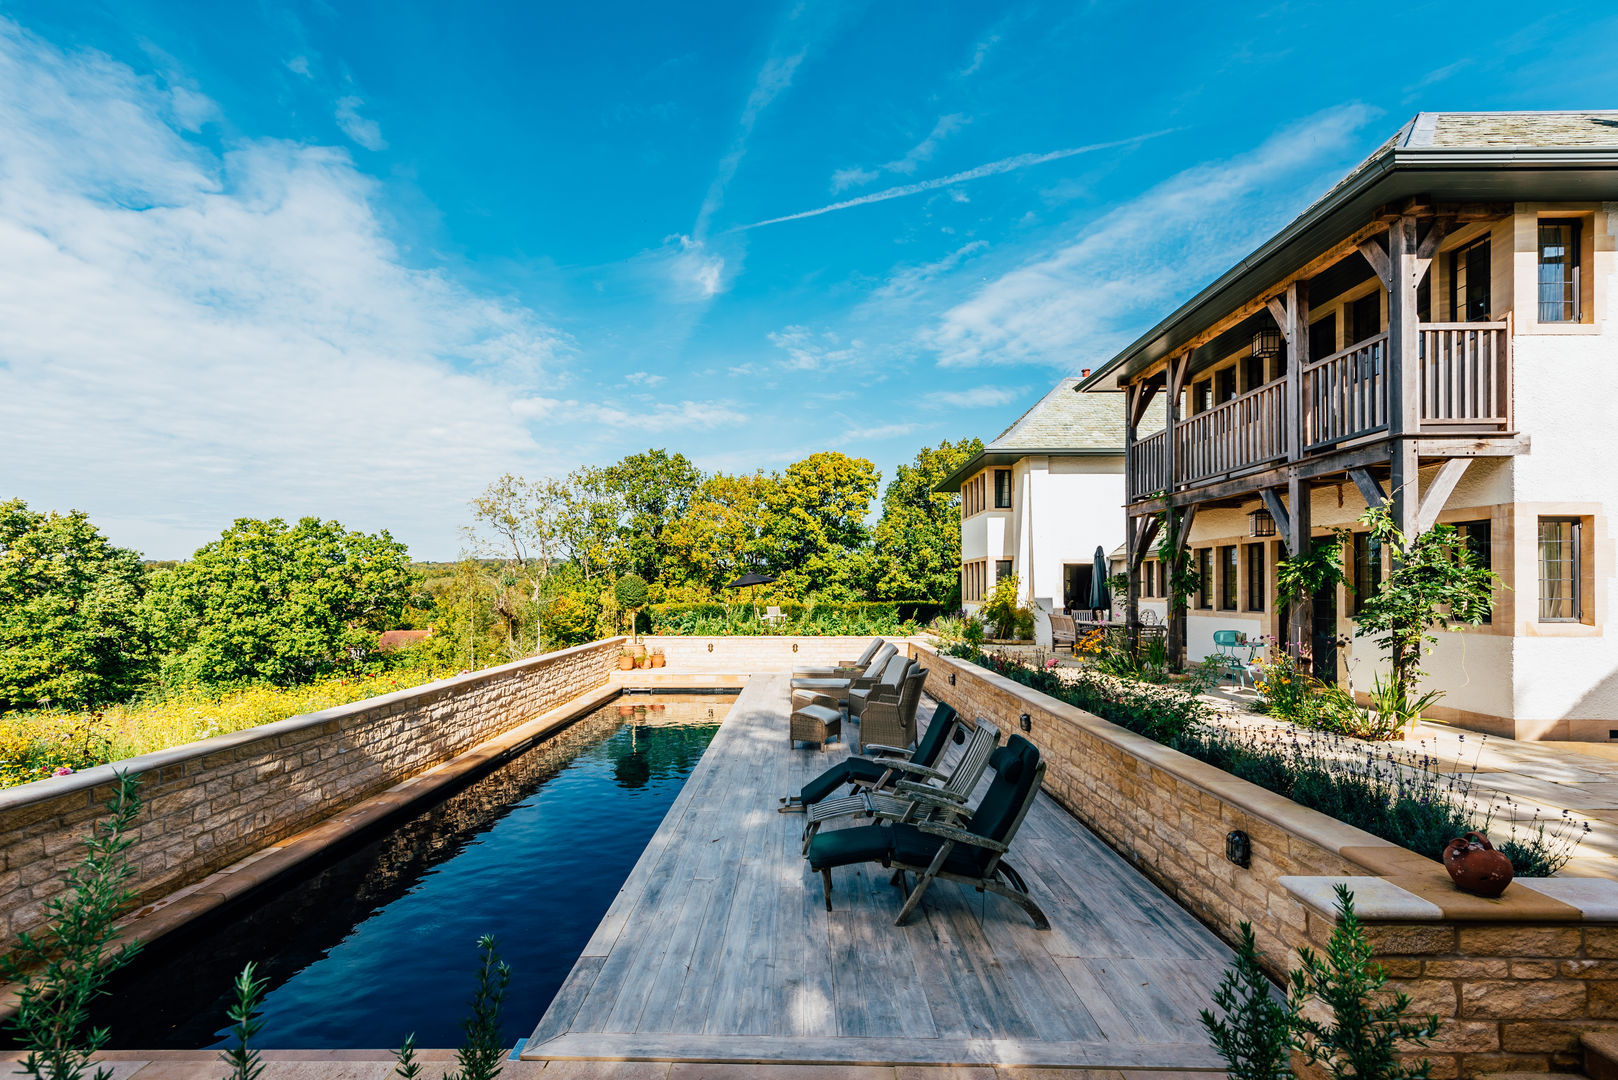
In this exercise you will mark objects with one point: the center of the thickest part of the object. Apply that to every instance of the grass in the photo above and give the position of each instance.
(36, 745)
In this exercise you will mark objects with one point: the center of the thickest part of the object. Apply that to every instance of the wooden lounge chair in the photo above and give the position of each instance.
(1064, 635)
(843, 668)
(878, 765)
(972, 853)
(917, 798)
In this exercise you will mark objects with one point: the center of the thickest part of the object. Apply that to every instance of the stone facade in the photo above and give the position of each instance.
(1515, 980)
(210, 803)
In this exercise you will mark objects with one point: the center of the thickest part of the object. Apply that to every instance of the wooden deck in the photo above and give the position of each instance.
(719, 948)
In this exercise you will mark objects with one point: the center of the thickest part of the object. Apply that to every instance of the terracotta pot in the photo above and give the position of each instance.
(644, 662)
(658, 659)
(1476, 867)
(626, 663)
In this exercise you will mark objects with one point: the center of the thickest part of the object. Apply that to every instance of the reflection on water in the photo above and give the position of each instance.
(380, 943)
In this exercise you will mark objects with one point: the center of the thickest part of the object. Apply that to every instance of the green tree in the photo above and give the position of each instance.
(655, 490)
(722, 533)
(284, 604)
(70, 631)
(814, 519)
(918, 539)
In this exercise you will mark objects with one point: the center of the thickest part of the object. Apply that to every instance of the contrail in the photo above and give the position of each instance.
(1021, 161)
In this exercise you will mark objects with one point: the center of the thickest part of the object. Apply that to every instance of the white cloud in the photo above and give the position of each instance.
(881, 431)
(993, 168)
(187, 336)
(368, 133)
(655, 417)
(978, 397)
(645, 378)
(1077, 305)
(980, 52)
(773, 78)
(809, 351)
(906, 283)
(695, 272)
(906, 165)
(299, 65)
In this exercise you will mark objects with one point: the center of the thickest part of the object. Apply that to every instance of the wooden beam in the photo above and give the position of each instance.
(1379, 261)
(1473, 446)
(1278, 511)
(1404, 373)
(1370, 487)
(1141, 395)
(1438, 492)
(1435, 236)
(1296, 331)
(1278, 312)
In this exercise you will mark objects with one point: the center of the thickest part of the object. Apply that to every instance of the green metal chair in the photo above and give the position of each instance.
(1229, 645)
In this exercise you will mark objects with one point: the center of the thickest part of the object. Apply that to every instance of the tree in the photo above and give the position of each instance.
(70, 631)
(1436, 580)
(655, 490)
(918, 539)
(1254, 1032)
(630, 593)
(284, 604)
(814, 517)
(721, 534)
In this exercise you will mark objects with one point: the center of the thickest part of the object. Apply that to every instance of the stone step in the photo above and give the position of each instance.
(1600, 1054)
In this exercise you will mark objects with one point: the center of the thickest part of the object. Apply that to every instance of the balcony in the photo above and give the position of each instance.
(1465, 387)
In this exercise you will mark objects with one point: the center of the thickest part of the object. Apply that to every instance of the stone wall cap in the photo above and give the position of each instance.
(1375, 899)
(1595, 898)
(55, 787)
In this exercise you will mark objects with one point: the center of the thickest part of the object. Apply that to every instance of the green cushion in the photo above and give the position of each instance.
(844, 847)
(932, 740)
(1015, 770)
(844, 772)
(915, 848)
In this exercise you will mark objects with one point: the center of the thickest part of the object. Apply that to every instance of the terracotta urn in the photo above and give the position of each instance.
(1476, 867)
(626, 663)
(658, 660)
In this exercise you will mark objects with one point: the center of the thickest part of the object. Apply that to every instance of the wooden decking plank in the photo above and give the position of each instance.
(564, 1007)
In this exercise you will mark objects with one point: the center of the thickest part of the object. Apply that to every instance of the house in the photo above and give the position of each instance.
(1040, 498)
(1434, 335)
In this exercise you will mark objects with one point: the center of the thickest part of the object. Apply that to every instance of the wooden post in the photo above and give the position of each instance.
(1301, 615)
(1404, 375)
(1178, 366)
(1132, 396)
(1180, 522)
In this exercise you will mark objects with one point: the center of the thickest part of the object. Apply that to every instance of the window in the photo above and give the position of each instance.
(1252, 373)
(1147, 571)
(1469, 282)
(1205, 574)
(1002, 569)
(1228, 588)
(1367, 569)
(1364, 318)
(1559, 557)
(1224, 385)
(1323, 337)
(1255, 577)
(1002, 489)
(1559, 270)
(1478, 536)
(1202, 396)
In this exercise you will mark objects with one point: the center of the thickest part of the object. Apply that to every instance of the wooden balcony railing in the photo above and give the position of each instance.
(1149, 465)
(1346, 394)
(1465, 375)
(1465, 385)
(1243, 432)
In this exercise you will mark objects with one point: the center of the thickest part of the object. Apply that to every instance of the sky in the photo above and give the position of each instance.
(357, 260)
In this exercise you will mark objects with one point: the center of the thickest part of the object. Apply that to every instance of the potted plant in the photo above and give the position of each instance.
(626, 660)
(630, 593)
(658, 659)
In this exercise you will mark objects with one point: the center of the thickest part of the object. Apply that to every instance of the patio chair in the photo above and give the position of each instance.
(1228, 645)
(772, 615)
(944, 801)
(824, 712)
(843, 668)
(833, 684)
(971, 854)
(890, 674)
(880, 765)
(1064, 635)
(892, 720)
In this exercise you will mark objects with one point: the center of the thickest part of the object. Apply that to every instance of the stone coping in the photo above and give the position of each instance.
(87, 779)
(1414, 887)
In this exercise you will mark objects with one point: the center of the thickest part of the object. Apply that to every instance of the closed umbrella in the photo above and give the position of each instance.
(1099, 600)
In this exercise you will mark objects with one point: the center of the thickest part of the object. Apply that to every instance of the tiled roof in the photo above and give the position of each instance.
(1065, 420)
(1452, 131)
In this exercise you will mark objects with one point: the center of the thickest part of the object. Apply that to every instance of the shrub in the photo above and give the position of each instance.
(1002, 612)
(1254, 1035)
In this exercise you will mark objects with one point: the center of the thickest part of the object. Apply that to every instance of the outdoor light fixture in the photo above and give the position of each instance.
(952, 678)
(1267, 344)
(1239, 848)
(1260, 523)
(1026, 721)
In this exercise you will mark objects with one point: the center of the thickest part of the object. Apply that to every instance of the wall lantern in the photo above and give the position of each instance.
(1239, 848)
(1026, 721)
(1267, 344)
(1260, 523)
(952, 678)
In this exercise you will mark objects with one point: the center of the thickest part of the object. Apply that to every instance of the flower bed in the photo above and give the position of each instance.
(1393, 794)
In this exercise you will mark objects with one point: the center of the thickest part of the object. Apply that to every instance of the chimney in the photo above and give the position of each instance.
(1084, 373)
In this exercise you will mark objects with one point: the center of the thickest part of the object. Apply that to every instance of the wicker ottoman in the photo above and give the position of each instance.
(815, 723)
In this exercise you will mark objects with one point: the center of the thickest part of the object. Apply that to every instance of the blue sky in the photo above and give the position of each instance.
(357, 260)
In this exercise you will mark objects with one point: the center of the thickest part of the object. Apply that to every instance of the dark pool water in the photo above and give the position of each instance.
(382, 942)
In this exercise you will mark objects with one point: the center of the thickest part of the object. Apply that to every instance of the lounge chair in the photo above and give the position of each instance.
(918, 798)
(838, 685)
(972, 854)
(843, 668)
(880, 764)
(817, 715)
(890, 675)
(1064, 635)
(891, 721)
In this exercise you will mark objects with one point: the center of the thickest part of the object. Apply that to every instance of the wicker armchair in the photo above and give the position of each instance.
(890, 717)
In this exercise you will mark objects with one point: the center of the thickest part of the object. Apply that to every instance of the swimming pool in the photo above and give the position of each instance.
(381, 942)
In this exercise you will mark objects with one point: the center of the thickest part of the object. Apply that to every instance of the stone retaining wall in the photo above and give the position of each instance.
(1516, 980)
(210, 803)
(762, 654)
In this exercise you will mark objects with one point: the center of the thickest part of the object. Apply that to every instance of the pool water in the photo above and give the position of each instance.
(382, 942)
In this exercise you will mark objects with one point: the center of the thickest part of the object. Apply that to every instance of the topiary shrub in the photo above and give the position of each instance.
(630, 592)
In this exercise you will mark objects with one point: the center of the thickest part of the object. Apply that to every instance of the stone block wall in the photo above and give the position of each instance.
(762, 654)
(1515, 980)
(210, 803)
